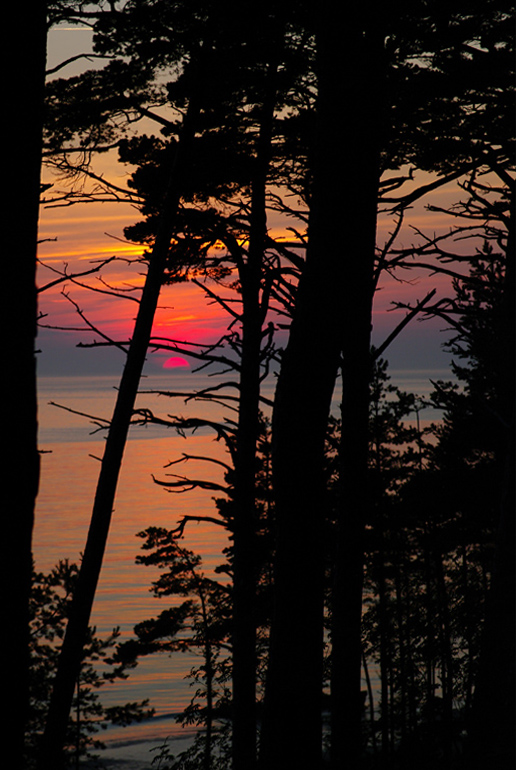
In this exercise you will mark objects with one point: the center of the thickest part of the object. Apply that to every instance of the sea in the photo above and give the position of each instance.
(73, 413)
(71, 409)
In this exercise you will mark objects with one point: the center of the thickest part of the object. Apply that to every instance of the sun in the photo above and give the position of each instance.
(176, 362)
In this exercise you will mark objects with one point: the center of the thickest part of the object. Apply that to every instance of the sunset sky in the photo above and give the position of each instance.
(83, 234)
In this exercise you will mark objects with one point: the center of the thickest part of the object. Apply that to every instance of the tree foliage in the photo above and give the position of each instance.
(101, 664)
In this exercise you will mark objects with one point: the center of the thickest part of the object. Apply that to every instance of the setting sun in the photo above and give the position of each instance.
(176, 362)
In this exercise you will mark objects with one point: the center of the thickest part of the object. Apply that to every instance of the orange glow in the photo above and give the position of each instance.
(79, 238)
(84, 235)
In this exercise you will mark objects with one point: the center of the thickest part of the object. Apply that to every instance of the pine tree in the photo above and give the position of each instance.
(101, 664)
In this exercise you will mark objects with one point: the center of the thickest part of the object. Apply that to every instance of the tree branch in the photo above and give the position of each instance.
(399, 328)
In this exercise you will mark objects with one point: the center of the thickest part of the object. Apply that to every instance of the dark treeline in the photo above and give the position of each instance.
(363, 546)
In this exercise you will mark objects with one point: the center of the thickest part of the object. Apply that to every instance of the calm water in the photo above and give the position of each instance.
(68, 480)
(71, 444)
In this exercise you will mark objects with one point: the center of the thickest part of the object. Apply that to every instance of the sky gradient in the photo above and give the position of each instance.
(79, 236)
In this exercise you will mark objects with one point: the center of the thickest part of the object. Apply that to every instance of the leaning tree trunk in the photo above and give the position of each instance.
(20, 479)
(51, 756)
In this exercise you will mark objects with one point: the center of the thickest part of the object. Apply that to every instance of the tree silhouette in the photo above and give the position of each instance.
(111, 37)
(265, 118)
(201, 622)
(397, 65)
(111, 463)
(49, 607)
(485, 414)
(19, 314)
(431, 552)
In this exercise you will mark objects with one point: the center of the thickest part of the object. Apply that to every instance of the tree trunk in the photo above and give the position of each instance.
(370, 696)
(291, 732)
(208, 665)
(358, 92)
(244, 525)
(70, 657)
(446, 655)
(401, 621)
(346, 180)
(244, 535)
(245, 522)
(491, 735)
(385, 663)
(20, 472)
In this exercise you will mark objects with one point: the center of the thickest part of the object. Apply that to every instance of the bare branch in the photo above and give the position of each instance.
(185, 457)
(222, 302)
(203, 395)
(399, 328)
(184, 484)
(420, 192)
(78, 57)
(382, 259)
(101, 422)
(179, 530)
(94, 328)
(225, 432)
(64, 276)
